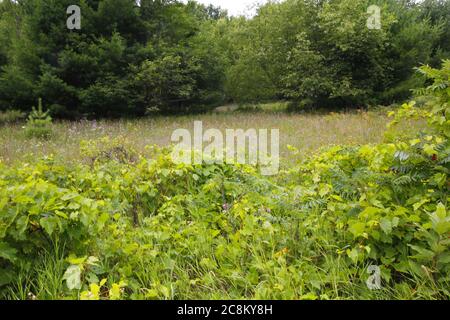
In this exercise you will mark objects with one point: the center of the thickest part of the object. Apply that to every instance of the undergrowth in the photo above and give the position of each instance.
(128, 227)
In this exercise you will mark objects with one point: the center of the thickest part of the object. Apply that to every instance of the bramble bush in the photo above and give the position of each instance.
(153, 229)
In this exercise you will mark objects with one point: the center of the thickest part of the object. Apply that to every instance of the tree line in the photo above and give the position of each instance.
(130, 56)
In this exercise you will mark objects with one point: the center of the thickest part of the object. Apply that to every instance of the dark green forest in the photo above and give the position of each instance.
(130, 57)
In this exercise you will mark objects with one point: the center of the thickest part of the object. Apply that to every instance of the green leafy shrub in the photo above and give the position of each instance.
(39, 123)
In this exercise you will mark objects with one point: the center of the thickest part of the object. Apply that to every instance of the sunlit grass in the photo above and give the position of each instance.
(305, 132)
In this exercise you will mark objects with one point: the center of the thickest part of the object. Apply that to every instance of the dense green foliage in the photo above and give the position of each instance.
(124, 226)
(321, 53)
(167, 55)
(125, 59)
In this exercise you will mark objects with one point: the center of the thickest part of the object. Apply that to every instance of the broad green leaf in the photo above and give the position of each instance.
(75, 260)
(439, 220)
(386, 225)
(114, 292)
(357, 228)
(423, 254)
(7, 252)
(353, 254)
(73, 277)
(49, 224)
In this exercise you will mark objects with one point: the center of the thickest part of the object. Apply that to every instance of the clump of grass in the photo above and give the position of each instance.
(11, 116)
(45, 282)
(107, 149)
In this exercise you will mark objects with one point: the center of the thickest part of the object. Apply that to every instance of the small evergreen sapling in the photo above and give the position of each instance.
(39, 123)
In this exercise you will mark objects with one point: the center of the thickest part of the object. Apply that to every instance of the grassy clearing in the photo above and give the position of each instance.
(306, 132)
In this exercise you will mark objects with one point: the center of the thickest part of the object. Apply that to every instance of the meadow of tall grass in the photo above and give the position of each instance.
(306, 132)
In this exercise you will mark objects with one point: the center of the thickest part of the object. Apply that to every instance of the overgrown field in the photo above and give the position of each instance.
(120, 225)
(305, 132)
